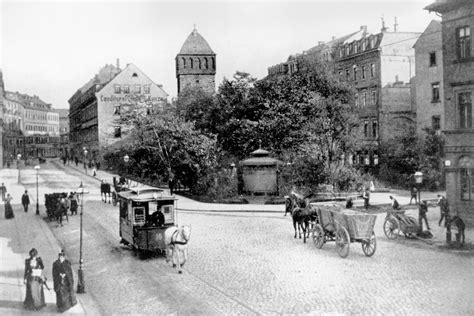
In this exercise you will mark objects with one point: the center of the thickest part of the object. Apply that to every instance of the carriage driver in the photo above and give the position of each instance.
(157, 218)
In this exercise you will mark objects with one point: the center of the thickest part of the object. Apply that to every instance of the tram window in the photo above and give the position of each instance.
(139, 215)
(167, 209)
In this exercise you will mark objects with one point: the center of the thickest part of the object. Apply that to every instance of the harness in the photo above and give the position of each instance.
(175, 242)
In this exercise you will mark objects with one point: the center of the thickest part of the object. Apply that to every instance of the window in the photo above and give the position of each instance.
(372, 70)
(126, 88)
(355, 72)
(374, 128)
(465, 110)
(374, 97)
(139, 215)
(364, 44)
(366, 129)
(363, 72)
(463, 42)
(117, 88)
(117, 132)
(467, 181)
(183, 62)
(432, 59)
(356, 99)
(146, 89)
(355, 48)
(435, 92)
(364, 99)
(138, 88)
(348, 50)
(436, 122)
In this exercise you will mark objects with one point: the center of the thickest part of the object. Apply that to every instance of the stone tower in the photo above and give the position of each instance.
(196, 64)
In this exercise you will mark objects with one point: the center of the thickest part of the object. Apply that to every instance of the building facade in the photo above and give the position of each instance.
(63, 131)
(196, 64)
(380, 68)
(458, 76)
(429, 79)
(96, 108)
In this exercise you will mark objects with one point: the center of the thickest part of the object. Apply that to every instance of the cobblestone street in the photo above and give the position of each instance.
(251, 264)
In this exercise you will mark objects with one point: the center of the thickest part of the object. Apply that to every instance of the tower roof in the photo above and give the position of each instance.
(195, 44)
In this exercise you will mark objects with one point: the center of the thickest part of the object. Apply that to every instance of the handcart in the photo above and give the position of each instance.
(345, 226)
(397, 223)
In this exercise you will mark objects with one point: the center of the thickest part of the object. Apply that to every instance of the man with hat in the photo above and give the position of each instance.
(422, 210)
(63, 283)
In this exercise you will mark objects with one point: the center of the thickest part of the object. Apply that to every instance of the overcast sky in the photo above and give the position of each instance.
(52, 48)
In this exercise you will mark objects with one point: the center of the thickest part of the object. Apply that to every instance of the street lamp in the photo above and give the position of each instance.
(85, 156)
(126, 159)
(419, 181)
(80, 282)
(37, 168)
(18, 157)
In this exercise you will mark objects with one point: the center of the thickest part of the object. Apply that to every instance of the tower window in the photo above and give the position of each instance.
(191, 63)
(432, 59)
(183, 61)
(435, 92)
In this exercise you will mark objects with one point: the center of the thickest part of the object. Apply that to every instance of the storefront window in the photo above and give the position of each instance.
(467, 186)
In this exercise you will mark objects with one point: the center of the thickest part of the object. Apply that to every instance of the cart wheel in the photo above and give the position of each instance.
(342, 242)
(391, 227)
(318, 236)
(369, 245)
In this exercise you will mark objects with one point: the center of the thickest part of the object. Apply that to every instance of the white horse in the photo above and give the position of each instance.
(176, 241)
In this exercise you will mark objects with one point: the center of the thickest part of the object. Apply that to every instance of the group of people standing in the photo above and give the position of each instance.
(35, 282)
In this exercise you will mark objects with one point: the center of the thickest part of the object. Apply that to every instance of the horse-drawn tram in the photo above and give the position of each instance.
(145, 214)
(345, 226)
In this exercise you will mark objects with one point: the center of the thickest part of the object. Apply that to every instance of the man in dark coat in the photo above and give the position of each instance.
(395, 204)
(444, 209)
(63, 283)
(423, 209)
(25, 200)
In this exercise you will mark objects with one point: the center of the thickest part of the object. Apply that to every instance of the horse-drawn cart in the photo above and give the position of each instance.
(397, 222)
(345, 226)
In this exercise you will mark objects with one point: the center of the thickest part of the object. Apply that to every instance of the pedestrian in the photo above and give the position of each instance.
(349, 202)
(8, 207)
(76, 161)
(25, 200)
(33, 279)
(444, 210)
(413, 195)
(422, 210)
(171, 182)
(63, 283)
(94, 168)
(3, 188)
(73, 203)
(395, 204)
(366, 197)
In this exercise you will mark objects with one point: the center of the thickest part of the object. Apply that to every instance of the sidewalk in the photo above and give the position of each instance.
(17, 237)
(377, 198)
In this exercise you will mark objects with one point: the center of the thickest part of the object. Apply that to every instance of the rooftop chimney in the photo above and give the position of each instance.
(395, 25)
(118, 63)
(384, 29)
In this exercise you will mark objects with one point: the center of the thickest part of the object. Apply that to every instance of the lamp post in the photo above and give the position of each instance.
(126, 159)
(85, 156)
(37, 168)
(80, 273)
(18, 157)
(419, 181)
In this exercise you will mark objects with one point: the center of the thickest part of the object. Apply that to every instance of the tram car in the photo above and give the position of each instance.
(145, 214)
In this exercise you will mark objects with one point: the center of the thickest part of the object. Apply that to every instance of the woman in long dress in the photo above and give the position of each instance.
(8, 207)
(34, 299)
(63, 283)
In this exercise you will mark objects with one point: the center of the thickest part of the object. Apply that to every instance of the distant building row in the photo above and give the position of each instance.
(31, 127)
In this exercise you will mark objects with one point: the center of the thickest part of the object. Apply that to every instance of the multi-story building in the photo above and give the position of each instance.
(458, 78)
(63, 131)
(96, 108)
(429, 79)
(13, 127)
(2, 98)
(196, 64)
(380, 67)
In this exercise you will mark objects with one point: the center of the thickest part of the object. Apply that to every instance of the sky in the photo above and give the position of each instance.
(52, 48)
